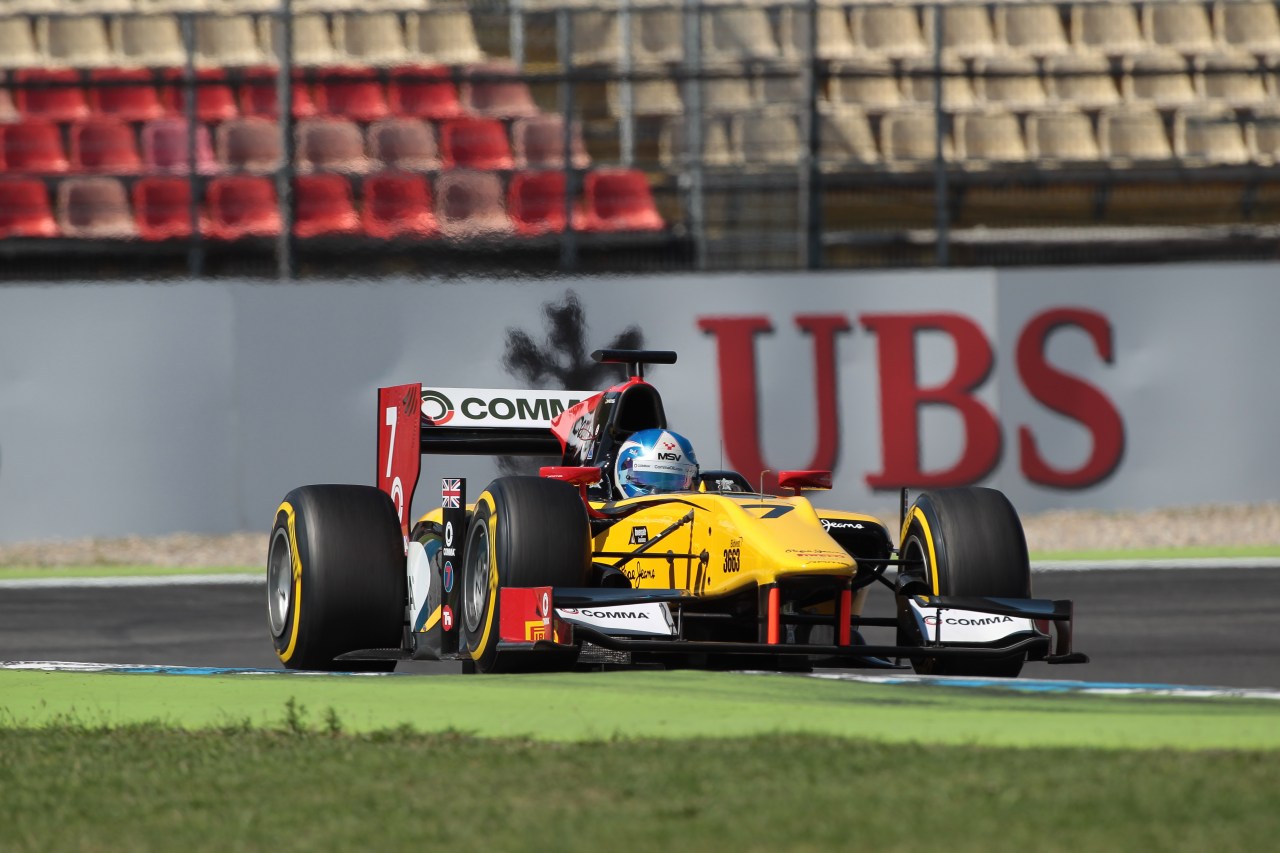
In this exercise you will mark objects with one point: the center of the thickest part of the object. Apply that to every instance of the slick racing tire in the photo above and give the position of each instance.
(965, 542)
(335, 578)
(525, 531)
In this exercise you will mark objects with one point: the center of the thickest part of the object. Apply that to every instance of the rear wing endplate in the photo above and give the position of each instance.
(415, 419)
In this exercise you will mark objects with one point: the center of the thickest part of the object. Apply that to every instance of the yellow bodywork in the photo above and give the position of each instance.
(748, 540)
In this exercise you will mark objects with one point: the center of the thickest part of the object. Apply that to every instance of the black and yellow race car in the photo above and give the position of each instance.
(627, 553)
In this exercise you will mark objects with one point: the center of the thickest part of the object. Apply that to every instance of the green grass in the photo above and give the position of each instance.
(147, 788)
(684, 704)
(1201, 552)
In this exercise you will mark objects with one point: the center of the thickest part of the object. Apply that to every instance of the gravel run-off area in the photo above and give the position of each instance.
(1063, 530)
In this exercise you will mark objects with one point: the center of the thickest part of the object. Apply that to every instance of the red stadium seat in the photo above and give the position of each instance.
(397, 204)
(128, 93)
(166, 147)
(215, 101)
(95, 209)
(469, 205)
(352, 93)
(496, 89)
(423, 92)
(535, 202)
(24, 209)
(324, 206)
(50, 94)
(620, 200)
(258, 95)
(162, 208)
(104, 144)
(242, 206)
(34, 146)
(475, 143)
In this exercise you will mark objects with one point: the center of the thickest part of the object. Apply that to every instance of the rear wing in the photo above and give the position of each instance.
(415, 419)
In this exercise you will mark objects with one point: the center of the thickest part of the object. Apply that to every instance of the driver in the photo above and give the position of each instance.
(653, 461)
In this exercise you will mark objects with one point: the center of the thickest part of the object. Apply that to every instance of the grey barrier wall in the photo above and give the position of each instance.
(143, 409)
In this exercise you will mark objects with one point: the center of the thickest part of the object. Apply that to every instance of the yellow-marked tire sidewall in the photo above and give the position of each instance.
(286, 525)
(482, 642)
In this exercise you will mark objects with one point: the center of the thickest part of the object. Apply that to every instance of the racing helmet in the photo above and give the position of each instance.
(655, 460)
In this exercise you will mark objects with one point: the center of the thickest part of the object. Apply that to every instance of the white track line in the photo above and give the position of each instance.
(150, 580)
(1038, 566)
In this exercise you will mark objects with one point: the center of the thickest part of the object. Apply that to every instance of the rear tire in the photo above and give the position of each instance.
(968, 542)
(525, 531)
(335, 578)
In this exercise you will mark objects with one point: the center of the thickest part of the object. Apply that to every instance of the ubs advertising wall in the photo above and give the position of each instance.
(142, 409)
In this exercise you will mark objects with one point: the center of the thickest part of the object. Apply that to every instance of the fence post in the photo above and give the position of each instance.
(285, 262)
(195, 248)
(693, 127)
(810, 175)
(941, 211)
(569, 239)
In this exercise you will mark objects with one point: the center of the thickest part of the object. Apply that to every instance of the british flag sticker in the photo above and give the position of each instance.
(450, 493)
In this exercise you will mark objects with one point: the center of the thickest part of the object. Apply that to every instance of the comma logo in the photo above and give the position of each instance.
(437, 409)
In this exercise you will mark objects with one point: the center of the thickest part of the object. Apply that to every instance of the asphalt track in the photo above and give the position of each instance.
(1202, 626)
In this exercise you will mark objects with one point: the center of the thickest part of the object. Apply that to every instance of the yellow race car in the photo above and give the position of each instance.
(629, 553)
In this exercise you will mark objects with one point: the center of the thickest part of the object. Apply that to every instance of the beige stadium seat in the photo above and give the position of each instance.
(1061, 137)
(1163, 79)
(594, 37)
(1129, 134)
(738, 33)
(834, 39)
(371, 39)
(648, 98)
(1263, 135)
(1010, 81)
(845, 139)
(919, 83)
(717, 151)
(1210, 136)
(469, 205)
(892, 31)
(868, 83)
(1238, 80)
(75, 42)
(1084, 81)
(1031, 28)
(94, 7)
(768, 137)
(1249, 26)
(333, 145)
(30, 7)
(447, 37)
(727, 94)
(166, 7)
(967, 30)
(778, 84)
(18, 44)
(987, 138)
(1181, 26)
(657, 35)
(95, 209)
(908, 139)
(8, 112)
(312, 40)
(251, 144)
(153, 41)
(1111, 28)
(403, 143)
(227, 40)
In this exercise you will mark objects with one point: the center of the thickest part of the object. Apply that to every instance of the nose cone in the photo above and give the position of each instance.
(787, 534)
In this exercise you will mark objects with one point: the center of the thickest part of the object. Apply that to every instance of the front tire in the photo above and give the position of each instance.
(965, 542)
(335, 577)
(525, 531)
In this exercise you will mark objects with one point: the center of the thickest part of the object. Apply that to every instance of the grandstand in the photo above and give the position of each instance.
(592, 134)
